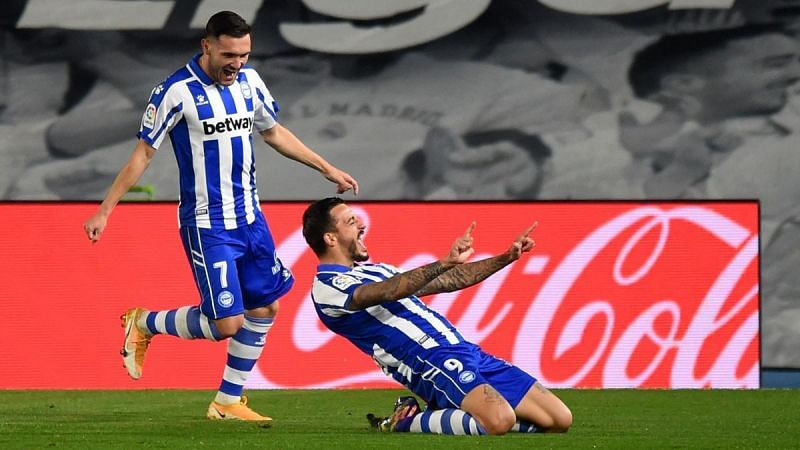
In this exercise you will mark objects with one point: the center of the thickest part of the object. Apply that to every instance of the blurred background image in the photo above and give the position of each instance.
(476, 100)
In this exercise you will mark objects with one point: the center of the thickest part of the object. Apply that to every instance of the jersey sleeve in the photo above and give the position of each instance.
(266, 107)
(333, 293)
(393, 269)
(163, 111)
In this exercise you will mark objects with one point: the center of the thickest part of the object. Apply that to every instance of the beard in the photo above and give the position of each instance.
(356, 255)
(219, 75)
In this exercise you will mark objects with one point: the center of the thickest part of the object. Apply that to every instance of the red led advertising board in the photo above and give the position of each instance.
(615, 294)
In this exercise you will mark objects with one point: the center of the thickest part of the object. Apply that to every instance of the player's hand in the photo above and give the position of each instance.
(94, 226)
(523, 244)
(343, 180)
(462, 249)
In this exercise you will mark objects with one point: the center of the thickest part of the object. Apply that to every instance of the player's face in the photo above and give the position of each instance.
(226, 55)
(350, 231)
(751, 76)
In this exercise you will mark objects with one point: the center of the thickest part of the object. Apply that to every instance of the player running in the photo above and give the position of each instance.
(209, 108)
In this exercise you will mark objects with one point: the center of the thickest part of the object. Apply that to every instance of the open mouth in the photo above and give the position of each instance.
(360, 239)
(229, 73)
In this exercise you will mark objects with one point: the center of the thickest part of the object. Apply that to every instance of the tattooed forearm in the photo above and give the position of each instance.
(399, 286)
(465, 275)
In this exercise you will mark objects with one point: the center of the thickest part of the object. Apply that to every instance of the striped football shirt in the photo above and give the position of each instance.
(211, 127)
(391, 333)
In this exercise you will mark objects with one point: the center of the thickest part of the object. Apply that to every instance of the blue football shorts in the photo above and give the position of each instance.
(443, 376)
(235, 270)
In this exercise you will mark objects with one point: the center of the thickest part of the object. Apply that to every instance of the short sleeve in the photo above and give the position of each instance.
(163, 111)
(266, 107)
(333, 292)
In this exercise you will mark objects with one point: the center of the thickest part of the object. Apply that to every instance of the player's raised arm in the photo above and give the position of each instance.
(405, 284)
(287, 144)
(466, 275)
(126, 178)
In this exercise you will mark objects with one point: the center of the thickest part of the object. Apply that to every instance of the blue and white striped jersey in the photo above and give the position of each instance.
(211, 130)
(392, 333)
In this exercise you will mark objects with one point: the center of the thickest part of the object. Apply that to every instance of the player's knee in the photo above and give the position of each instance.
(268, 311)
(229, 326)
(499, 423)
(226, 332)
(562, 421)
(272, 309)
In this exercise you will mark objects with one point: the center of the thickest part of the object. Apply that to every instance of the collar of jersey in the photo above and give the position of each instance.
(333, 268)
(194, 66)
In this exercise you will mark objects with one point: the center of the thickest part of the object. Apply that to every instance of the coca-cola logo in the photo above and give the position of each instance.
(614, 356)
(615, 294)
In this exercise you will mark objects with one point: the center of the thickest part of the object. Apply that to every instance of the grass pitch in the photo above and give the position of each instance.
(323, 419)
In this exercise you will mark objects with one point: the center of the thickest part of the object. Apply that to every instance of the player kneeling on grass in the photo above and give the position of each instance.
(377, 308)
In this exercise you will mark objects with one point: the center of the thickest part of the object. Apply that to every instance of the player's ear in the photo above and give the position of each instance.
(330, 239)
(204, 46)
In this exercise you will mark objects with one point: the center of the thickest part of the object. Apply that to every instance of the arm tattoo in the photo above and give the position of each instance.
(397, 287)
(465, 275)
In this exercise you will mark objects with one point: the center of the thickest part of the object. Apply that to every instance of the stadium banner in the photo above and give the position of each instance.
(614, 295)
(465, 100)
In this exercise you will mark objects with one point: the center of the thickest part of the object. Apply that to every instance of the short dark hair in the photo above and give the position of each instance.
(317, 221)
(226, 23)
(676, 52)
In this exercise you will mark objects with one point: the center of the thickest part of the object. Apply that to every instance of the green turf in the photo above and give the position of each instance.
(335, 419)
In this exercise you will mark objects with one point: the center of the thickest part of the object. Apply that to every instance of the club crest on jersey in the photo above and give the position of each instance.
(200, 100)
(466, 376)
(342, 282)
(225, 299)
(246, 89)
(149, 118)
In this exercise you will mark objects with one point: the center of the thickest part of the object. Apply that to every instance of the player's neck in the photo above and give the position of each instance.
(336, 258)
(203, 63)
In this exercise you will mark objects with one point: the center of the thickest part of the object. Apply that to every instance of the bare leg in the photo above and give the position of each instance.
(543, 409)
(490, 409)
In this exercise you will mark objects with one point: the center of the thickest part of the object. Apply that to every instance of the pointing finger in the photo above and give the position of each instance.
(468, 233)
(529, 229)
